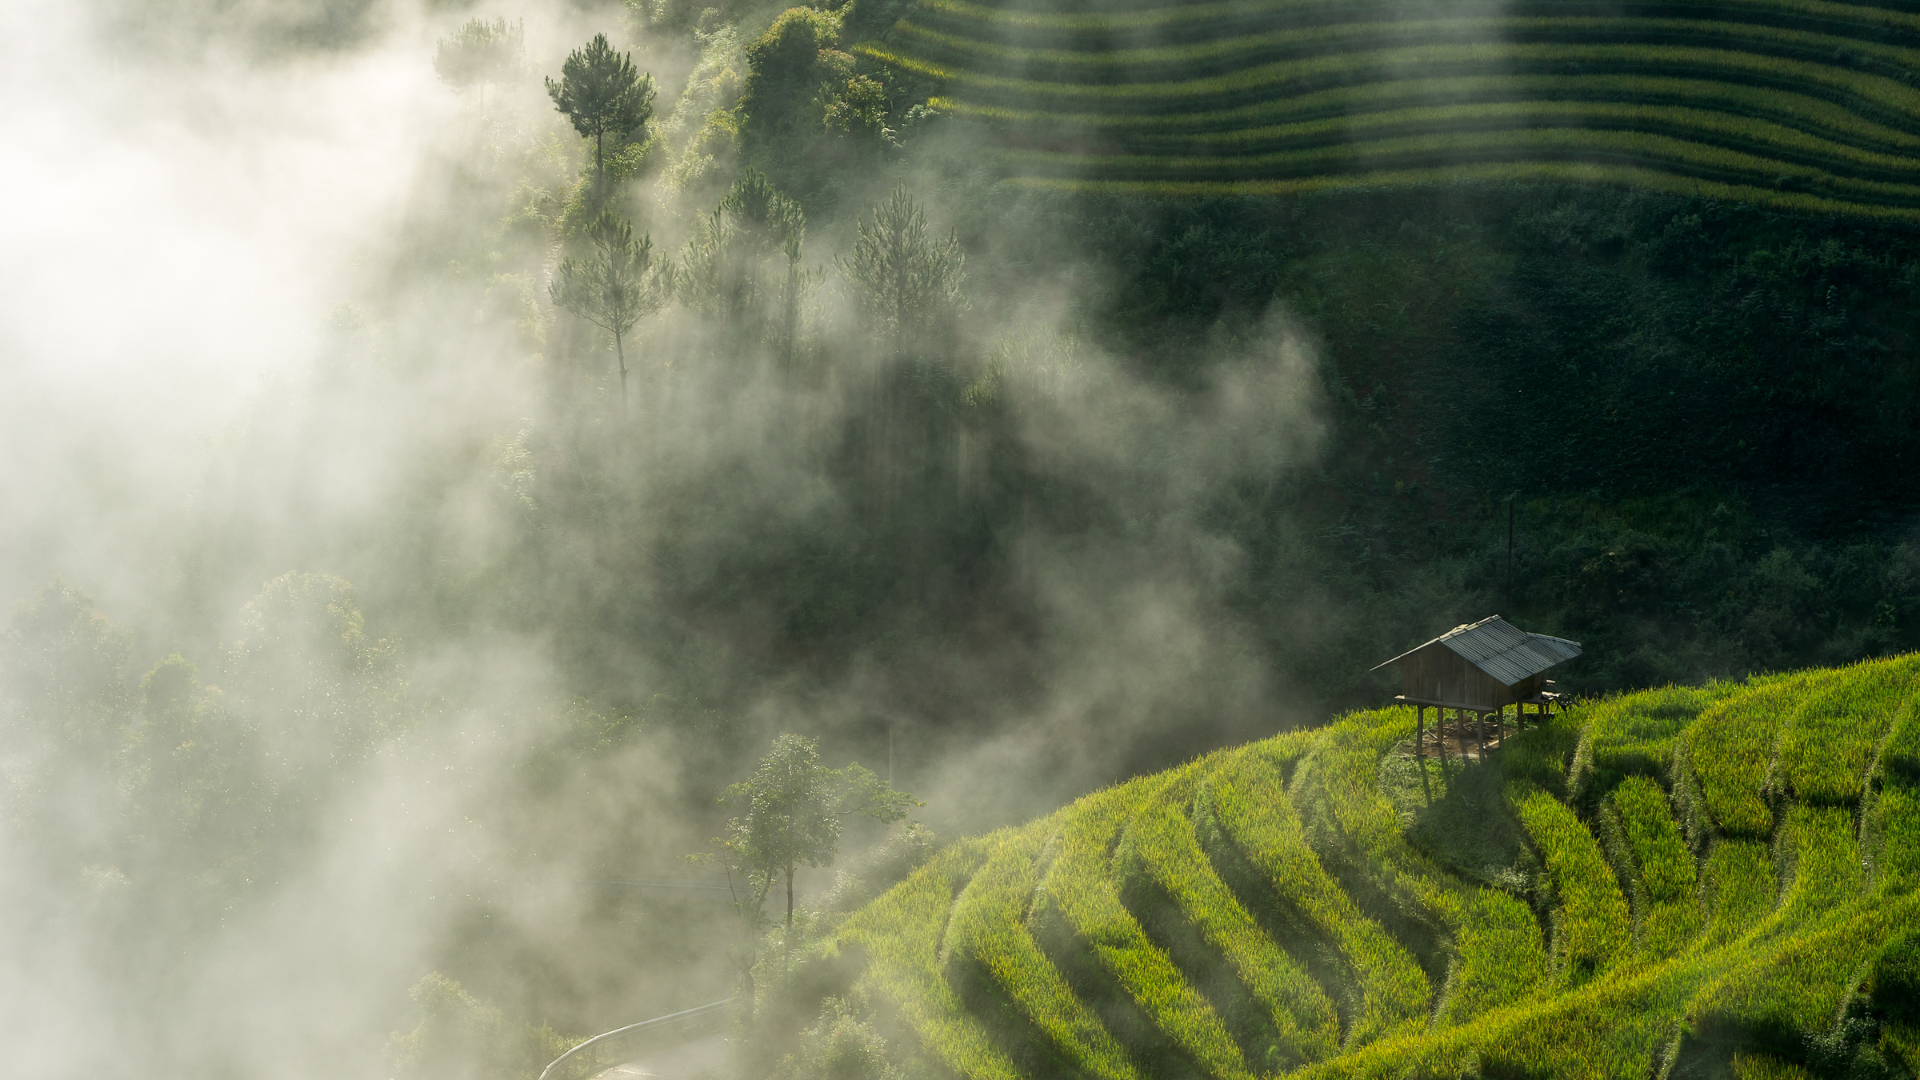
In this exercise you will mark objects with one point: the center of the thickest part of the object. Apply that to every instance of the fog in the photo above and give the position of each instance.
(459, 640)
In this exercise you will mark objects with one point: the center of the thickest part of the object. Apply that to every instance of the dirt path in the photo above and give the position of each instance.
(699, 1058)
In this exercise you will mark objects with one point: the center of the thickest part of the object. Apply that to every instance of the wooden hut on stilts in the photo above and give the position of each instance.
(1480, 669)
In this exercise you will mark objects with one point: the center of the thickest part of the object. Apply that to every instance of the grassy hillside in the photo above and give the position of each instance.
(1706, 881)
(1798, 104)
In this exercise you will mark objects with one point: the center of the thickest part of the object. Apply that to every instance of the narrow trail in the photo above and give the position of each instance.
(699, 1057)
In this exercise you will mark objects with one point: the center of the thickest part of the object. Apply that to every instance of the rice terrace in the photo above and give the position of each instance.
(1676, 882)
(1796, 104)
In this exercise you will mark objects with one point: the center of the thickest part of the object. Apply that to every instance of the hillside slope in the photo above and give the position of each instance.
(1697, 880)
(1803, 104)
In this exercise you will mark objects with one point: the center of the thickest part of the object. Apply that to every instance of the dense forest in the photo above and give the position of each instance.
(449, 445)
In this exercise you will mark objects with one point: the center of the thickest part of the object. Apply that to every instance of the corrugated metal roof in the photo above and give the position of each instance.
(1501, 649)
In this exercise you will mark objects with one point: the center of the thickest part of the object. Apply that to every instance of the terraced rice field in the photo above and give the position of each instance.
(1798, 104)
(1697, 880)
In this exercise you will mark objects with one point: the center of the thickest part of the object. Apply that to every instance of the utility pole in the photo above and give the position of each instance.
(1510, 499)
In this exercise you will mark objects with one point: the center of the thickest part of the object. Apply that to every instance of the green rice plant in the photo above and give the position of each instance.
(1735, 132)
(1761, 1067)
(899, 934)
(1901, 1043)
(1497, 953)
(1792, 987)
(1819, 859)
(1542, 755)
(1592, 926)
(1833, 738)
(1663, 869)
(1894, 817)
(1633, 145)
(1634, 734)
(1238, 10)
(1163, 841)
(1078, 885)
(988, 925)
(1252, 808)
(1346, 37)
(1731, 750)
(1782, 106)
(1538, 172)
(1739, 887)
(1900, 758)
(1428, 59)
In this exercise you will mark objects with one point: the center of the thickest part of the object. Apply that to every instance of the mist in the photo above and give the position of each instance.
(362, 635)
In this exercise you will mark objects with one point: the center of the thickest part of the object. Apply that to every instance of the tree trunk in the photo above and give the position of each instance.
(620, 350)
(599, 165)
(788, 938)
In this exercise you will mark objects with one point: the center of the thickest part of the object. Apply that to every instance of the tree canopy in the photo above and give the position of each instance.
(481, 53)
(602, 94)
(615, 287)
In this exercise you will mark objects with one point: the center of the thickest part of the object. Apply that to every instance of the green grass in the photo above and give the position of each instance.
(1757, 957)
(1163, 840)
(1762, 1067)
(1592, 927)
(1664, 874)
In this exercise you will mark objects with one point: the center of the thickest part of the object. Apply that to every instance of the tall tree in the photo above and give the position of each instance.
(788, 816)
(481, 53)
(616, 287)
(602, 94)
(903, 278)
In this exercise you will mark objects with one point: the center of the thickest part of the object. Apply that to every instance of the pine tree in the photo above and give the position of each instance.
(602, 94)
(616, 287)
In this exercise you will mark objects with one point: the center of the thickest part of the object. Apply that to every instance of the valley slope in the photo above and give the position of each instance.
(1697, 880)
(1799, 104)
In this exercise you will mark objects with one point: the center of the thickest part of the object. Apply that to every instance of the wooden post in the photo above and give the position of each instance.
(1419, 730)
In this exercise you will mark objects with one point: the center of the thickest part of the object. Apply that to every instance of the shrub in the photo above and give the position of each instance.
(459, 1036)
